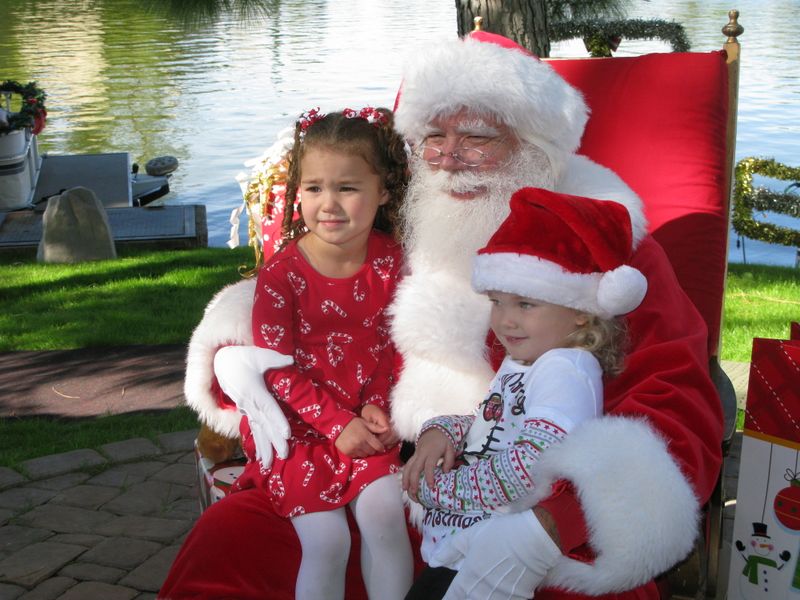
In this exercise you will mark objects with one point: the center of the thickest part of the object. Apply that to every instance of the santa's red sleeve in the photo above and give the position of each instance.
(642, 472)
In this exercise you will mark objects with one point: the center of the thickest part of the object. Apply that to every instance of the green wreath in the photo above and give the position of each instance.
(32, 112)
(747, 199)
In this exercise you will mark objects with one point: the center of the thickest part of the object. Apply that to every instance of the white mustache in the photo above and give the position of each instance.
(459, 183)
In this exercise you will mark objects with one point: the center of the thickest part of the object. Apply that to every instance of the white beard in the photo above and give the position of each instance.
(439, 324)
(446, 232)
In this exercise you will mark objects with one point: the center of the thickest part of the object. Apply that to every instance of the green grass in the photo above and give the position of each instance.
(144, 297)
(760, 301)
(158, 297)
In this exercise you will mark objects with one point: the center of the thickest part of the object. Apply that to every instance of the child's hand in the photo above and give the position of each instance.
(358, 440)
(375, 415)
(432, 446)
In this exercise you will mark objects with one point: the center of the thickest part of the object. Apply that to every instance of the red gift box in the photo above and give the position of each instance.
(773, 394)
(766, 531)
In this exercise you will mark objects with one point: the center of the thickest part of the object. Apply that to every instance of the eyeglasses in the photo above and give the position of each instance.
(468, 156)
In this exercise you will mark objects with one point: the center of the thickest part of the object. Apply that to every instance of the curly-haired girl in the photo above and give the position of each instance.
(321, 299)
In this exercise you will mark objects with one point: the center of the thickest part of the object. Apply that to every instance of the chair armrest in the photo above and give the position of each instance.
(727, 396)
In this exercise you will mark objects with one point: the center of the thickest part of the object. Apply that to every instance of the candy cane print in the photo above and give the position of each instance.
(334, 350)
(358, 296)
(359, 464)
(297, 282)
(370, 320)
(304, 326)
(284, 387)
(330, 305)
(296, 512)
(276, 485)
(280, 302)
(311, 468)
(337, 387)
(272, 334)
(360, 374)
(383, 267)
(315, 408)
(336, 470)
(375, 351)
(304, 360)
(332, 494)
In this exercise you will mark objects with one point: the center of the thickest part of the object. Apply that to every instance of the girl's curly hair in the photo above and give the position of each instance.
(607, 339)
(378, 144)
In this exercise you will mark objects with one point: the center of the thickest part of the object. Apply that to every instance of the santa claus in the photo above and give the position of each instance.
(621, 495)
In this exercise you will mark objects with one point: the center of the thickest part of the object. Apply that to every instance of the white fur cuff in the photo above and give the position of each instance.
(226, 321)
(640, 509)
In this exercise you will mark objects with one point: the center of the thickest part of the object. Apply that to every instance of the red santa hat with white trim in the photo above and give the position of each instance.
(491, 75)
(566, 250)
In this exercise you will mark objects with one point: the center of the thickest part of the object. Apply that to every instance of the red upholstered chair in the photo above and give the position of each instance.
(666, 123)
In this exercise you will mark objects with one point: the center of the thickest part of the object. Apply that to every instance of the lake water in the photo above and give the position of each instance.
(119, 79)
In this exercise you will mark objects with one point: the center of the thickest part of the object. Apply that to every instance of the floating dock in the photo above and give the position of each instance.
(170, 227)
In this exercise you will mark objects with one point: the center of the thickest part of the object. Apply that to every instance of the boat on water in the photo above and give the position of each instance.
(28, 179)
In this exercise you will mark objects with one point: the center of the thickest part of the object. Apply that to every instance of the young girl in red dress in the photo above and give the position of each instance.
(322, 300)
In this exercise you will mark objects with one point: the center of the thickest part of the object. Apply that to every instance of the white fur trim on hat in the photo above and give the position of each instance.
(518, 89)
(605, 295)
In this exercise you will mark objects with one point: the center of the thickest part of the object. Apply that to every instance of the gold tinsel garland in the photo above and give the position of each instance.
(263, 194)
(747, 199)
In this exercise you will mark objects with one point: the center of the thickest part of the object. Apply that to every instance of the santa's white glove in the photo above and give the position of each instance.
(505, 558)
(240, 372)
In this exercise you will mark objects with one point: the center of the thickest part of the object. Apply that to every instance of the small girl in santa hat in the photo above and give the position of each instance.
(321, 300)
(556, 276)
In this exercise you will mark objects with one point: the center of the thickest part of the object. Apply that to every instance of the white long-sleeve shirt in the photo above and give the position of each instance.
(527, 409)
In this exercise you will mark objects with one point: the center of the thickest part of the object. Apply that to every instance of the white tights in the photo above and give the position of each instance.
(386, 560)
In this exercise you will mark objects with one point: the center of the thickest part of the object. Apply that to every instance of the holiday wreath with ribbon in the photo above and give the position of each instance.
(31, 113)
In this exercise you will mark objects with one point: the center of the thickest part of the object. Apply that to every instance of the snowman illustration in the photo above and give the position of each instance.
(759, 564)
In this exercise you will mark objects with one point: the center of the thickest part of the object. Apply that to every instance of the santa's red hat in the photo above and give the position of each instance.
(492, 75)
(563, 249)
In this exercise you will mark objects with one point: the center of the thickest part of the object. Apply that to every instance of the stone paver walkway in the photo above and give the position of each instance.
(100, 524)
(106, 524)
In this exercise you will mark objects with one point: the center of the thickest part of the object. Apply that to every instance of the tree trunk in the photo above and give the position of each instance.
(524, 21)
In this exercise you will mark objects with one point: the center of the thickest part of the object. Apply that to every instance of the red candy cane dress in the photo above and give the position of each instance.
(336, 330)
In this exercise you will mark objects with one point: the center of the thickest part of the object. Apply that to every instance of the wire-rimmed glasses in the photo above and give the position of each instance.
(469, 156)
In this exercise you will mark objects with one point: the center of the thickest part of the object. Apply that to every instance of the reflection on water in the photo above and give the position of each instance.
(119, 79)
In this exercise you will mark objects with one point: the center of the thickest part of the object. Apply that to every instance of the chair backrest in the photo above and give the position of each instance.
(661, 122)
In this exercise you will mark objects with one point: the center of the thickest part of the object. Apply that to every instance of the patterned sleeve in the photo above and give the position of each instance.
(273, 314)
(504, 477)
(455, 427)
